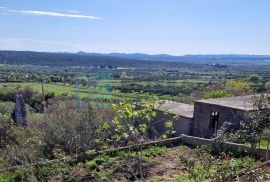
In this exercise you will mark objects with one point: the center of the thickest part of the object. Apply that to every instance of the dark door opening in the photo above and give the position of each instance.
(214, 121)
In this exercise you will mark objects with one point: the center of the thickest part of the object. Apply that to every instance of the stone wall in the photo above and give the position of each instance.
(202, 117)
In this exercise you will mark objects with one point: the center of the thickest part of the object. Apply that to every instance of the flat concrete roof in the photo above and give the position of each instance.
(177, 108)
(239, 102)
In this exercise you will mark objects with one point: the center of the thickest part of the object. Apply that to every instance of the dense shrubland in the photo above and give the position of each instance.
(63, 130)
(61, 143)
(70, 129)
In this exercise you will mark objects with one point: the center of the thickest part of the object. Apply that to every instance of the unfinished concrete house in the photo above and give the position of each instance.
(205, 117)
(183, 123)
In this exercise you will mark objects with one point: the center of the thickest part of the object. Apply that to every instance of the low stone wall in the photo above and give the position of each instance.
(226, 146)
(196, 141)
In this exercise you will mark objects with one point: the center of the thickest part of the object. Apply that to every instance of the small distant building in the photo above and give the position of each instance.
(205, 117)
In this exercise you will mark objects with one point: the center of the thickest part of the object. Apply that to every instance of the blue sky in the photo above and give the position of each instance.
(175, 27)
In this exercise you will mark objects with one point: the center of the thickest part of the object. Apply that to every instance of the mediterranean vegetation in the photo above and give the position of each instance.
(79, 117)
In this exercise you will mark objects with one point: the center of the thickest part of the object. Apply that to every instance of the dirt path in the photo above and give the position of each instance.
(167, 166)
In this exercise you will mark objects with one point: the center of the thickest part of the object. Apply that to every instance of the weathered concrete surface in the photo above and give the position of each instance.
(195, 120)
(240, 102)
(202, 117)
(181, 125)
(226, 146)
(177, 108)
(230, 109)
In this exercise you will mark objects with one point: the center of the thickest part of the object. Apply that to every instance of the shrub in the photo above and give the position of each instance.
(72, 128)
(36, 100)
(254, 78)
(238, 87)
(91, 165)
(267, 86)
(254, 122)
(229, 170)
(216, 94)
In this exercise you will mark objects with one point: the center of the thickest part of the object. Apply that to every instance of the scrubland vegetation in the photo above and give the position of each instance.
(85, 111)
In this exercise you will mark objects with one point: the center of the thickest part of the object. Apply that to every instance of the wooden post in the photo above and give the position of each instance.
(43, 92)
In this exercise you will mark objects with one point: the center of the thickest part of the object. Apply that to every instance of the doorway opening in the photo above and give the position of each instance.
(214, 120)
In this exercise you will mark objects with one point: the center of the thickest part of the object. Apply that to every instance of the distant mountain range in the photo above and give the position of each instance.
(197, 58)
(124, 60)
(78, 59)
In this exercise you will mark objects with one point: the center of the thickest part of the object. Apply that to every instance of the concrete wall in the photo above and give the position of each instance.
(226, 146)
(181, 126)
(202, 117)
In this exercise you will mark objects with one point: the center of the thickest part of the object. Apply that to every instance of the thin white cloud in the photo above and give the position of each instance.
(2, 7)
(67, 11)
(52, 14)
(71, 11)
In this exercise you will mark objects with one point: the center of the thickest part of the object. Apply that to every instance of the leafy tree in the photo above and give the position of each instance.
(238, 87)
(254, 78)
(131, 125)
(12, 77)
(132, 122)
(124, 75)
(267, 86)
(84, 81)
(216, 94)
(36, 101)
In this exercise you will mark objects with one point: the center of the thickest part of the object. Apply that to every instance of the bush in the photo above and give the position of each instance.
(267, 86)
(238, 87)
(91, 165)
(36, 100)
(10, 96)
(216, 94)
(244, 168)
(72, 128)
(254, 78)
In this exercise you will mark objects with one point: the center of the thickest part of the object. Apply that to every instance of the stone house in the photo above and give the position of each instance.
(205, 117)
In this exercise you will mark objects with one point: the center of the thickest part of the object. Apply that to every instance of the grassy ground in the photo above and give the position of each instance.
(161, 164)
(263, 144)
(101, 91)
